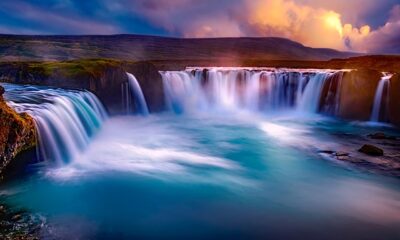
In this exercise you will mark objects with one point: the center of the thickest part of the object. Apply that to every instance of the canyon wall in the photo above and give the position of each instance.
(357, 92)
(394, 100)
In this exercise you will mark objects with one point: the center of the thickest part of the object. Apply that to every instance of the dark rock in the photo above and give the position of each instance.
(378, 135)
(357, 93)
(381, 135)
(341, 154)
(371, 150)
(394, 100)
(327, 151)
(16, 217)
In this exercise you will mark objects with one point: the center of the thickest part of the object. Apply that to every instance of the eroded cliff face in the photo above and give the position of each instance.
(357, 92)
(151, 83)
(17, 133)
(394, 100)
(101, 76)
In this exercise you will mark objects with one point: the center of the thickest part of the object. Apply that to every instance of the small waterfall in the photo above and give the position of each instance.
(65, 119)
(330, 94)
(381, 99)
(230, 89)
(137, 95)
(309, 100)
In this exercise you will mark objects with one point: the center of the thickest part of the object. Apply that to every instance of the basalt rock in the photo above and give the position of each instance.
(394, 100)
(17, 134)
(357, 92)
(371, 150)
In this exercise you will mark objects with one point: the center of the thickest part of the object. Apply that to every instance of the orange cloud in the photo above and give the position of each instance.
(315, 23)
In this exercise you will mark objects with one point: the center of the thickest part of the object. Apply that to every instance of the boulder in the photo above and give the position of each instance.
(371, 150)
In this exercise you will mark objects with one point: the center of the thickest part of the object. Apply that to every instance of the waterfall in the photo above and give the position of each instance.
(231, 89)
(330, 100)
(381, 99)
(65, 119)
(137, 95)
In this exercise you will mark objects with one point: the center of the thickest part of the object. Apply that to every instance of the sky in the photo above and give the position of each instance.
(369, 26)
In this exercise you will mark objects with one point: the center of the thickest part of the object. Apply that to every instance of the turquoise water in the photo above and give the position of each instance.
(215, 176)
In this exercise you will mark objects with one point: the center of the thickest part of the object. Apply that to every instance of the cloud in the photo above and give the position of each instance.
(385, 39)
(311, 22)
(53, 22)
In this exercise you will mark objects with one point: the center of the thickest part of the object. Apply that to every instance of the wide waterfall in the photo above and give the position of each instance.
(65, 119)
(381, 100)
(197, 89)
(132, 93)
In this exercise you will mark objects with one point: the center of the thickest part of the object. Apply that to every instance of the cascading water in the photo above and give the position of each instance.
(65, 119)
(132, 92)
(240, 88)
(381, 99)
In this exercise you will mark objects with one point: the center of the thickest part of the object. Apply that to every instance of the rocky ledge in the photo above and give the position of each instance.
(17, 134)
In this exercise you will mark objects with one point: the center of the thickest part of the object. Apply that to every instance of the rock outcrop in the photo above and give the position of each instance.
(394, 100)
(357, 92)
(17, 133)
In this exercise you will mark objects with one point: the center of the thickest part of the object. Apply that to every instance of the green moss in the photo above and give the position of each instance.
(74, 68)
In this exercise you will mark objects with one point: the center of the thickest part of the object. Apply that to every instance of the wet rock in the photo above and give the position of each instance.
(371, 150)
(357, 92)
(17, 134)
(16, 217)
(342, 158)
(381, 135)
(342, 154)
(394, 99)
(326, 151)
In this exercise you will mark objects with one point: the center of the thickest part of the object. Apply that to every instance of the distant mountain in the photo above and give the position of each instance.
(139, 48)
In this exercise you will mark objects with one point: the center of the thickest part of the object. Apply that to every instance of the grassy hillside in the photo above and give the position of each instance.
(142, 48)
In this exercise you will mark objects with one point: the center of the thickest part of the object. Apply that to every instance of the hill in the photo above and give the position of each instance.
(142, 48)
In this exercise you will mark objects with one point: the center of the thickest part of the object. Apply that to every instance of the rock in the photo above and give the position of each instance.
(394, 99)
(341, 154)
(16, 217)
(357, 93)
(342, 158)
(327, 151)
(17, 134)
(378, 135)
(381, 135)
(371, 150)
